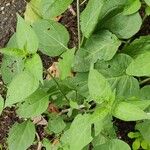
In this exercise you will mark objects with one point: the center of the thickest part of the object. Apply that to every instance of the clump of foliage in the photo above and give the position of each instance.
(98, 80)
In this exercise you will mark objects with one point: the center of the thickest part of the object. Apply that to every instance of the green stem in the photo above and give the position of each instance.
(82, 40)
(144, 18)
(57, 85)
(103, 134)
(126, 43)
(78, 24)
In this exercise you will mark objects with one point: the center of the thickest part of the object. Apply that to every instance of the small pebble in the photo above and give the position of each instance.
(2, 8)
(8, 4)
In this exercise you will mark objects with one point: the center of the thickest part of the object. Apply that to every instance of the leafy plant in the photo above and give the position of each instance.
(95, 82)
(133, 6)
(139, 141)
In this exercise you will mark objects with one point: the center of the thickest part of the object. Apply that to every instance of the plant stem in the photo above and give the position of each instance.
(82, 40)
(144, 18)
(83, 2)
(39, 142)
(78, 24)
(57, 85)
(67, 110)
(144, 81)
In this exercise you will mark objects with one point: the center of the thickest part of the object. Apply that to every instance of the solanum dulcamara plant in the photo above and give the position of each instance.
(104, 77)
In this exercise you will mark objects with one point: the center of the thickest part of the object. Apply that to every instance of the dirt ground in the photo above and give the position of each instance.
(8, 10)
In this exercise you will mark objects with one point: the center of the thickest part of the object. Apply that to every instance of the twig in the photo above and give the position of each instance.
(57, 85)
(67, 110)
(39, 142)
(144, 18)
(78, 23)
(83, 2)
(83, 40)
(144, 81)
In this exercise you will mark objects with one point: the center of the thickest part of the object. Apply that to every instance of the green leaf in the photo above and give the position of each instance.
(123, 26)
(26, 37)
(35, 4)
(147, 10)
(115, 72)
(147, 2)
(99, 114)
(11, 67)
(144, 128)
(90, 16)
(138, 46)
(112, 7)
(79, 133)
(12, 43)
(56, 124)
(32, 12)
(140, 66)
(116, 67)
(1, 104)
(114, 144)
(133, 135)
(34, 66)
(53, 37)
(81, 61)
(13, 52)
(125, 86)
(132, 7)
(129, 112)
(99, 118)
(99, 140)
(22, 86)
(74, 104)
(113, 19)
(136, 144)
(99, 88)
(79, 83)
(101, 46)
(145, 92)
(21, 136)
(142, 104)
(52, 9)
(144, 144)
(107, 132)
(34, 105)
(46, 143)
(65, 64)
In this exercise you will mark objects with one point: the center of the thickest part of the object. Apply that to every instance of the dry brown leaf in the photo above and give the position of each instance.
(53, 70)
(55, 142)
(39, 120)
(58, 18)
(53, 109)
(72, 10)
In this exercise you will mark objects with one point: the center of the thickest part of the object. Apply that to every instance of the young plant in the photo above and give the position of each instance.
(133, 6)
(139, 142)
(95, 81)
